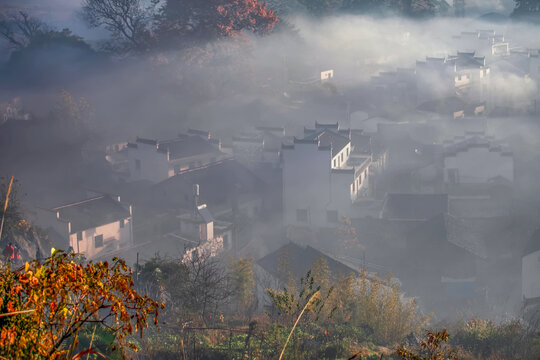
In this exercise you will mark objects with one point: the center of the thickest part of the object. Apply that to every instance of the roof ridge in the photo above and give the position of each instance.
(80, 202)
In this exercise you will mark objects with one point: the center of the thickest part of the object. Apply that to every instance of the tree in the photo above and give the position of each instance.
(363, 6)
(433, 347)
(290, 303)
(128, 21)
(243, 284)
(322, 7)
(19, 29)
(527, 9)
(194, 287)
(186, 23)
(71, 118)
(10, 213)
(44, 305)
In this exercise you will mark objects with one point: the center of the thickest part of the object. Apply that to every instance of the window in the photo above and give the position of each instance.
(335, 163)
(79, 236)
(341, 157)
(122, 223)
(98, 241)
(302, 215)
(137, 164)
(332, 216)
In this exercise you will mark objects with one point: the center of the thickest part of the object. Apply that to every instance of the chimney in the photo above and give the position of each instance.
(195, 196)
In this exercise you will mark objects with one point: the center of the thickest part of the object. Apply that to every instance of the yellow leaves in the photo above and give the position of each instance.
(63, 291)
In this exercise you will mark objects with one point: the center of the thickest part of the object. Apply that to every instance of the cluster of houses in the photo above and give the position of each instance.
(428, 194)
(473, 73)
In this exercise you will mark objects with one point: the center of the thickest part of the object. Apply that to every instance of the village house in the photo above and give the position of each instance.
(157, 160)
(232, 192)
(93, 227)
(200, 233)
(485, 42)
(260, 146)
(322, 177)
(477, 159)
(398, 87)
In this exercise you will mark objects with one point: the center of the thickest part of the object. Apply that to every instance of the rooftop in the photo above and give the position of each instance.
(327, 138)
(300, 260)
(88, 214)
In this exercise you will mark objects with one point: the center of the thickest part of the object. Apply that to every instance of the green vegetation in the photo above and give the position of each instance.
(63, 307)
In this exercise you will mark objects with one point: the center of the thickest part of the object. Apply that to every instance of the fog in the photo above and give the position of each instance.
(419, 143)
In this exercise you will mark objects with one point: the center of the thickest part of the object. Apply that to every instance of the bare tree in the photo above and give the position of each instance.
(128, 21)
(19, 29)
(208, 285)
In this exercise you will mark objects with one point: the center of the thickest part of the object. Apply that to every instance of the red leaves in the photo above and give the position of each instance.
(64, 293)
(214, 19)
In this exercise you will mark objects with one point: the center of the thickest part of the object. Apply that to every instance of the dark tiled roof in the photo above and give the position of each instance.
(328, 138)
(448, 105)
(88, 214)
(360, 142)
(319, 125)
(205, 214)
(146, 141)
(414, 206)
(186, 146)
(220, 183)
(300, 260)
(205, 134)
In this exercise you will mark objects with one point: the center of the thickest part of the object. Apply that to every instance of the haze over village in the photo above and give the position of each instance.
(387, 140)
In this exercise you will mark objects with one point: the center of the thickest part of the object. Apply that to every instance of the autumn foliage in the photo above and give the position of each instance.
(213, 19)
(43, 305)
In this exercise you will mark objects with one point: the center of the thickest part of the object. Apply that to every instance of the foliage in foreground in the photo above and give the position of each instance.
(44, 305)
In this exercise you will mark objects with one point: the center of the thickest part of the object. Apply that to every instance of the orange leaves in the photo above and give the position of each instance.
(63, 293)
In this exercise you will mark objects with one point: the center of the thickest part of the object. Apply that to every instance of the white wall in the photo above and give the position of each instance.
(306, 183)
(530, 275)
(478, 164)
(113, 236)
(343, 154)
(341, 193)
(154, 164)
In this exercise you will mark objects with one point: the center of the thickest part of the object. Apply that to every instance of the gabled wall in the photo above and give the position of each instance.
(154, 165)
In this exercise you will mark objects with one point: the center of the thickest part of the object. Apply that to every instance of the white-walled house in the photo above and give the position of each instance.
(260, 146)
(320, 183)
(92, 227)
(463, 74)
(477, 160)
(156, 160)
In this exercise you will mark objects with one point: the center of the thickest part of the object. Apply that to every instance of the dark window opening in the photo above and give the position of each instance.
(98, 241)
